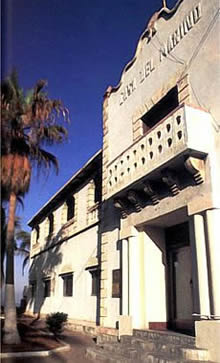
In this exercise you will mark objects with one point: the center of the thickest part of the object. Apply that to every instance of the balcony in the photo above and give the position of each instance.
(185, 132)
(93, 214)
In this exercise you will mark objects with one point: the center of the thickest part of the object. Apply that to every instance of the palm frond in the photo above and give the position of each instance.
(44, 159)
(29, 122)
(24, 238)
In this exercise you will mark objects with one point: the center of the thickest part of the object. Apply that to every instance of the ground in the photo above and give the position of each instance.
(35, 338)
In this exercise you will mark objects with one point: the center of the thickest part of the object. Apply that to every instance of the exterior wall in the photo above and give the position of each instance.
(183, 52)
(110, 259)
(74, 248)
(74, 255)
(137, 94)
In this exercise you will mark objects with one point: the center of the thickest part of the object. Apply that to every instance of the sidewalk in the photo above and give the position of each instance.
(76, 354)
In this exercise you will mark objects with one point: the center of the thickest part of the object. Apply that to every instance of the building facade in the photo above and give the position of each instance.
(65, 249)
(158, 231)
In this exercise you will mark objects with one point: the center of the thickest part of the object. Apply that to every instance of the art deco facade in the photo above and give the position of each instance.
(157, 240)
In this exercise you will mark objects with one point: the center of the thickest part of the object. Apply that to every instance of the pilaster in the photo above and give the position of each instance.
(104, 280)
(125, 288)
(212, 221)
(200, 267)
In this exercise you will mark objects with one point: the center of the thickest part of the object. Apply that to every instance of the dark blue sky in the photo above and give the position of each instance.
(80, 47)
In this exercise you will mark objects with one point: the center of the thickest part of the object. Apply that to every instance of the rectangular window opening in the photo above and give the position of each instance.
(95, 272)
(70, 207)
(37, 234)
(47, 287)
(51, 223)
(116, 283)
(161, 109)
(97, 189)
(67, 284)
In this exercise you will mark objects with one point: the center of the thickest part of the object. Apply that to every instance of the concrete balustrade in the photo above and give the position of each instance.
(93, 214)
(171, 137)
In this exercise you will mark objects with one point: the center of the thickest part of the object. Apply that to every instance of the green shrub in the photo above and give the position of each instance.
(55, 322)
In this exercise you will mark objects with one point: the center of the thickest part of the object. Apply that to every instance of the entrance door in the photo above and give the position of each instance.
(180, 296)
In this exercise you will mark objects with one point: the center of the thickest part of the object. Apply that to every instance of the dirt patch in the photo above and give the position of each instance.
(33, 338)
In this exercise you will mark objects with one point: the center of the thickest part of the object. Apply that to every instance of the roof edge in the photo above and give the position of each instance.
(30, 222)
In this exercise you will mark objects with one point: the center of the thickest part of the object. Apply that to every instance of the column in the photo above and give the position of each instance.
(125, 277)
(134, 307)
(213, 225)
(199, 248)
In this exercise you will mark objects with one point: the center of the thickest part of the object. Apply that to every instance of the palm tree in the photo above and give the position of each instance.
(22, 246)
(29, 122)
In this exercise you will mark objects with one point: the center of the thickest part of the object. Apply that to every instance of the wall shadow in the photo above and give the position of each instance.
(42, 267)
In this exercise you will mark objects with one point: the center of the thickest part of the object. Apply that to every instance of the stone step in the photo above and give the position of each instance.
(181, 356)
(106, 338)
(122, 349)
(172, 350)
(165, 337)
(100, 355)
(156, 358)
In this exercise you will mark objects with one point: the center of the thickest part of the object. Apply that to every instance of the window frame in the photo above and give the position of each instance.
(37, 234)
(116, 283)
(164, 107)
(70, 202)
(95, 275)
(51, 224)
(47, 287)
(65, 277)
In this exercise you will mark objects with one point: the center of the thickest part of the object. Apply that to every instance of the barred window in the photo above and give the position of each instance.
(37, 235)
(51, 223)
(116, 283)
(47, 287)
(70, 207)
(67, 284)
(95, 272)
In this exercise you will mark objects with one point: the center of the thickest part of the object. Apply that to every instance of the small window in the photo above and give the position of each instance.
(95, 272)
(37, 230)
(70, 207)
(67, 284)
(97, 196)
(33, 285)
(116, 283)
(51, 223)
(161, 109)
(47, 287)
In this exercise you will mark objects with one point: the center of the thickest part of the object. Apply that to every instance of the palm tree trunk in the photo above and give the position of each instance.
(11, 335)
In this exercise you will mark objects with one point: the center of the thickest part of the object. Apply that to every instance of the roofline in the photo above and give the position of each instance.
(64, 186)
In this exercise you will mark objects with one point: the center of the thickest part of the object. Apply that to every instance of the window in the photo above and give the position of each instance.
(51, 223)
(95, 272)
(70, 207)
(37, 234)
(67, 284)
(97, 189)
(47, 287)
(33, 285)
(116, 283)
(161, 109)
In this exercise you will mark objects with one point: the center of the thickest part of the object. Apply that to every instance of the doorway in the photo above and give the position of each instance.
(180, 294)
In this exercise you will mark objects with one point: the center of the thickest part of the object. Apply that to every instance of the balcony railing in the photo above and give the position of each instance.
(93, 214)
(186, 130)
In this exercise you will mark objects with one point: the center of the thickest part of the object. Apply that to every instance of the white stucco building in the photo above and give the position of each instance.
(65, 249)
(156, 243)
